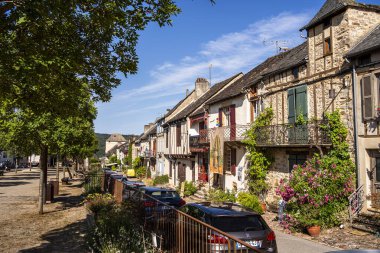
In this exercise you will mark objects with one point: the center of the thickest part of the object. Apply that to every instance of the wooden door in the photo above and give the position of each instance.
(374, 174)
(181, 172)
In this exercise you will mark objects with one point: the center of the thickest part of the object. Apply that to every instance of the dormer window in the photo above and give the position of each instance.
(365, 59)
(327, 46)
(295, 72)
(327, 23)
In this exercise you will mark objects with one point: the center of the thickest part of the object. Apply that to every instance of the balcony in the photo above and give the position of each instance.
(230, 133)
(149, 153)
(293, 135)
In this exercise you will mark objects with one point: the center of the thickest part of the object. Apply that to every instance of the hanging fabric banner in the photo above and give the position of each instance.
(216, 152)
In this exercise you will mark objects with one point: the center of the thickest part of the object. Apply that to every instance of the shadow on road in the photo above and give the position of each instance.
(68, 239)
(14, 183)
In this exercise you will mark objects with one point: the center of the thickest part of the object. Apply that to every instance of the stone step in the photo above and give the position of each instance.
(365, 228)
(374, 210)
(200, 196)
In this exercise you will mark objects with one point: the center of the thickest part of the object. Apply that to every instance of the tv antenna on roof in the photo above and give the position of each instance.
(278, 43)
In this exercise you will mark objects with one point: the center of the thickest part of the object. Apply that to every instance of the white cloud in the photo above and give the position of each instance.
(229, 54)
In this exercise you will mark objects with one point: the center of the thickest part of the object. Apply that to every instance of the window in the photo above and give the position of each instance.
(327, 46)
(365, 59)
(370, 93)
(296, 159)
(167, 139)
(227, 116)
(295, 72)
(297, 103)
(231, 160)
(326, 23)
(178, 135)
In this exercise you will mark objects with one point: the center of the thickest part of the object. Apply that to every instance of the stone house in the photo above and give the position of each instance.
(364, 60)
(114, 140)
(310, 80)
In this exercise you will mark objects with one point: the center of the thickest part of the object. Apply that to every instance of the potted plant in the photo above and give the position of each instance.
(308, 217)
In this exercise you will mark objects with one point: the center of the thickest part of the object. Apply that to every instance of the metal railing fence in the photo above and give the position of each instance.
(175, 231)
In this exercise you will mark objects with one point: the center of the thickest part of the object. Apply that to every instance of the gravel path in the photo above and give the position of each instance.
(60, 229)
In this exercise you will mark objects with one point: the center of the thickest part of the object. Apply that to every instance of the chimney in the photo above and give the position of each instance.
(201, 86)
(187, 92)
(146, 127)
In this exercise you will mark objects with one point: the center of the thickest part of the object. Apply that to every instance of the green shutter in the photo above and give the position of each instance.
(291, 104)
(301, 101)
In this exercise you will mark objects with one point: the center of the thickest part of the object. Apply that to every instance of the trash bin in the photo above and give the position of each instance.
(49, 193)
(55, 184)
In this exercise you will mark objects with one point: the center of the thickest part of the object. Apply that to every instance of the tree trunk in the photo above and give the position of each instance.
(43, 178)
(57, 171)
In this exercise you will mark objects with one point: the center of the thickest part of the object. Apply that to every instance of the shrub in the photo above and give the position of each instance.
(250, 201)
(119, 230)
(164, 179)
(140, 172)
(137, 162)
(220, 196)
(97, 202)
(190, 189)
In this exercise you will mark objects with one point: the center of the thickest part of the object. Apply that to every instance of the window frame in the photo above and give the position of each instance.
(327, 46)
(178, 134)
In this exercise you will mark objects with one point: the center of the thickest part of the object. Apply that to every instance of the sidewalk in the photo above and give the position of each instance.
(60, 229)
(345, 238)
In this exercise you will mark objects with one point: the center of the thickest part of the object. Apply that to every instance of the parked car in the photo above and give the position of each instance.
(235, 220)
(7, 165)
(157, 203)
(130, 187)
(34, 164)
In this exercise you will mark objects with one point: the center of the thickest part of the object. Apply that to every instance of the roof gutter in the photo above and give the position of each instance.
(354, 97)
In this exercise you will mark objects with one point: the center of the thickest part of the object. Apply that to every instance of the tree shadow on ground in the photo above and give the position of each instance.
(13, 183)
(68, 239)
(69, 201)
(23, 177)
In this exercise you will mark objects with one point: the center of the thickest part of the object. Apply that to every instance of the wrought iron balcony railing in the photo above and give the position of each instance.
(274, 135)
(292, 134)
(230, 133)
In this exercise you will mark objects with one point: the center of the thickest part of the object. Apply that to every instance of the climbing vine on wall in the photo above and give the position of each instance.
(259, 159)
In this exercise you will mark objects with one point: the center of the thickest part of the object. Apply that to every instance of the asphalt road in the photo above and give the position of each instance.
(291, 244)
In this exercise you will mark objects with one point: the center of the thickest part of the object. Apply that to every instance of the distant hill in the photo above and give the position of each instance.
(102, 138)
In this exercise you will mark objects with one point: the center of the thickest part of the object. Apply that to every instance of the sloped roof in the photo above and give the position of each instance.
(369, 43)
(200, 101)
(152, 130)
(247, 80)
(332, 7)
(116, 138)
(292, 58)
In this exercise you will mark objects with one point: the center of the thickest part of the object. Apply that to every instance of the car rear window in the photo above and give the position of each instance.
(237, 224)
(164, 194)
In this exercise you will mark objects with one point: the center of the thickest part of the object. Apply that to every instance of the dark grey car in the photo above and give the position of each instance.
(241, 223)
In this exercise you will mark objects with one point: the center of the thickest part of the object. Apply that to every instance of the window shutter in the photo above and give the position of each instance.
(232, 123)
(291, 105)
(220, 117)
(233, 161)
(367, 98)
(170, 169)
(178, 137)
(301, 101)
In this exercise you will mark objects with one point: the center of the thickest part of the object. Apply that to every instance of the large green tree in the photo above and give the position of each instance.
(57, 57)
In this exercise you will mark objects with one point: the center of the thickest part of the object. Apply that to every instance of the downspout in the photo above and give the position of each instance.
(357, 163)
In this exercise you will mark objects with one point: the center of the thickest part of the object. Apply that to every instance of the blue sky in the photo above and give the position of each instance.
(229, 35)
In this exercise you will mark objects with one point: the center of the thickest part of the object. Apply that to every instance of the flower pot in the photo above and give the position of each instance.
(314, 231)
(263, 206)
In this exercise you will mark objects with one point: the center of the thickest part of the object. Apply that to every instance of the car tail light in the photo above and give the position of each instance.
(271, 236)
(217, 239)
(149, 204)
(181, 202)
